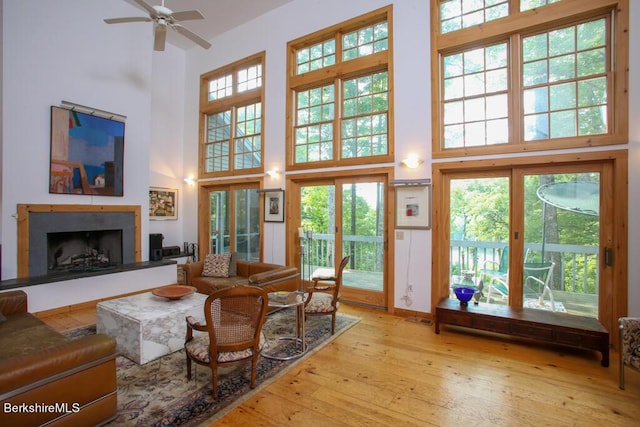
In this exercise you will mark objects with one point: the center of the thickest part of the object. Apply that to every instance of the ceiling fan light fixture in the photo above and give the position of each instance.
(163, 11)
(163, 18)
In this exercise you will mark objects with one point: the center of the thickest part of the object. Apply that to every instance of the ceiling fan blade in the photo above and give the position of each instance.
(160, 37)
(192, 36)
(152, 12)
(123, 20)
(187, 15)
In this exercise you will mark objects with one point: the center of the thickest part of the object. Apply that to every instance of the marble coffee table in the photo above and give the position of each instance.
(147, 327)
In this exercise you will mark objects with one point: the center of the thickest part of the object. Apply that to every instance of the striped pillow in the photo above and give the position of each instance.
(216, 265)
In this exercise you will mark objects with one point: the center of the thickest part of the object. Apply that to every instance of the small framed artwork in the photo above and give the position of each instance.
(274, 206)
(413, 206)
(163, 203)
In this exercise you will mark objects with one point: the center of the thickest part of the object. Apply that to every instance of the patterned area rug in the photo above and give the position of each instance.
(158, 393)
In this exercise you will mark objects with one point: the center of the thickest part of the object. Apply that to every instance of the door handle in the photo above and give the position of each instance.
(608, 257)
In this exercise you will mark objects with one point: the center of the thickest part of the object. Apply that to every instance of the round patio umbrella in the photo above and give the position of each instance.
(579, 196)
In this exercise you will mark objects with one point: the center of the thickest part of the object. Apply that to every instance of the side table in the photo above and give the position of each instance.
(284, 300)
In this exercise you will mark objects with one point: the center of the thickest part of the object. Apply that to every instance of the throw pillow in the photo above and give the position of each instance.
(216, 265)
(233, 265)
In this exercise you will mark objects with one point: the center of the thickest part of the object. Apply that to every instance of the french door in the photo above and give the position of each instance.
(345, 217)
(232, 218)
(562, 227)
(541, 236)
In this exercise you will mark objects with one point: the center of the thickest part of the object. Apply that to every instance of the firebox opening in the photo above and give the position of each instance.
(78, 251)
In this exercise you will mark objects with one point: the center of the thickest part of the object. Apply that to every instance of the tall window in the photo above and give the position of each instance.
(340, 109)
(231, 107)
(536, 75)
(232, 221)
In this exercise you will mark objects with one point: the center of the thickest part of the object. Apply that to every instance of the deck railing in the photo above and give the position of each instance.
(576, 266)
(367, 252)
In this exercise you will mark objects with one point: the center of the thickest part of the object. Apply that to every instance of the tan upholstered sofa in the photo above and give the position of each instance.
(271, 277)
(40, 367)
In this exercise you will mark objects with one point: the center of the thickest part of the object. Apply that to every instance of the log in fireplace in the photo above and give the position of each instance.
(56, 239)
(87, 250)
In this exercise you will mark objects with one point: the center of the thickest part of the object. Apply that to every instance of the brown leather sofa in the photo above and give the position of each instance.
(271, 277)
(47, 378)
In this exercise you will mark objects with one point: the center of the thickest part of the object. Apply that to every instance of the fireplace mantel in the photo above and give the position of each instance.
(25, 211)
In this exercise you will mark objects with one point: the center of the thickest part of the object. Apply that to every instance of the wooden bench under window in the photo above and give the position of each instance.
(553, 327)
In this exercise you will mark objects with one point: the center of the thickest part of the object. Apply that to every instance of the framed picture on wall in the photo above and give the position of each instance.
(274, 206)
(87, 154)
(163, 203)
(413, 206)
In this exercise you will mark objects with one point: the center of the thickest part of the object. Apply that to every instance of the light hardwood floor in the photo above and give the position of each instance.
(390, 371)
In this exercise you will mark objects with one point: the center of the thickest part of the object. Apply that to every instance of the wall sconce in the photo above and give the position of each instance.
(273, 173)
(412, 161)
(190, 180)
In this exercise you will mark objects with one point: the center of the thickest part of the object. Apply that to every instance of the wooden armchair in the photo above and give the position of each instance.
(323, 297)
(629, 344)
(234, 320)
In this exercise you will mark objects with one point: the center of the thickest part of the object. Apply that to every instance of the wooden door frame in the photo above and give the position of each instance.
(293, 184)
(204, 189)
(613, 300)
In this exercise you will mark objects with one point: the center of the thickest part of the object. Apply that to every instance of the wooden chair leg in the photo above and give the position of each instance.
(214, 381)
(333, 322)
(620, 350)
(254, 366)
(188, 367)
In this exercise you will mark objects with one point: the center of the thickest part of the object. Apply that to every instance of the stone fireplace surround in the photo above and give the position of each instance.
(36, 221)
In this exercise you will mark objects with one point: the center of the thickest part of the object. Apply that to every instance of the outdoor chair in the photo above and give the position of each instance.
(539, 275)
(498, 288)
(323, 297)
(234, 319)
(629, 345)
(499, 270)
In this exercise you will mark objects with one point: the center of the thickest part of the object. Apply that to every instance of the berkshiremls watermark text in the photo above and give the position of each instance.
(31, 408)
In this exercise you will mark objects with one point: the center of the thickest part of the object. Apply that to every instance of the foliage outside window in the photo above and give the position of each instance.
(521, 83)
(231, 108)
(532, 4)
(232, 222)
(457, 14)
(339, 104)
(565, 82)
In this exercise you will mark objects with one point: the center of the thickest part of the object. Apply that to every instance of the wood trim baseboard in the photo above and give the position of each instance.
(83, 305)
(417, 316)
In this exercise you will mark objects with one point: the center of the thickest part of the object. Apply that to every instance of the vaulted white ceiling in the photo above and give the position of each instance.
(220, 16)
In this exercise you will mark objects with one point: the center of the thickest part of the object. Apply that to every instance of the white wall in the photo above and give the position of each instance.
(48, 57)
(54, 51)
(167, 135)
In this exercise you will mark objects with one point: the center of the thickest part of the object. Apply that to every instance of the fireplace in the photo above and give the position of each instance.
(60, 239)
(87, 250)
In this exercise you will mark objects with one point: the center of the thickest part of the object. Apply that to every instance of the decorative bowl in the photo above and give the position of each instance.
(173, 291)
(464, 293)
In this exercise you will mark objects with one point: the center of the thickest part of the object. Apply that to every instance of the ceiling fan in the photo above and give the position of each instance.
(163, 18)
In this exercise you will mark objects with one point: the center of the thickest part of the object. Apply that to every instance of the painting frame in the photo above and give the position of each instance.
(274, 206)
(163, 203)
(86, 154)
(413, 206)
